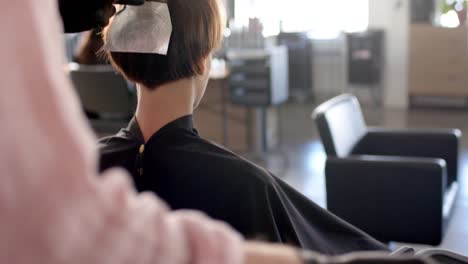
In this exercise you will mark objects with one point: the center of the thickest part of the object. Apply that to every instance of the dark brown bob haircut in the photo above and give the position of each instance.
(197, 30)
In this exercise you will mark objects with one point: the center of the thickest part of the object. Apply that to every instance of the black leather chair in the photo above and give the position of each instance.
(395, 185)
(105, 93)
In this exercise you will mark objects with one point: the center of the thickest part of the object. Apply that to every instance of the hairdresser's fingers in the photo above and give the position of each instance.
(103, 15)
(259, 253)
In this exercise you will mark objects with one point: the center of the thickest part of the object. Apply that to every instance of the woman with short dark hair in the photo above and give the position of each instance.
(165, 153)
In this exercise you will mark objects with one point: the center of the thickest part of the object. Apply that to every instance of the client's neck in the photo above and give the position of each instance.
(157, 108)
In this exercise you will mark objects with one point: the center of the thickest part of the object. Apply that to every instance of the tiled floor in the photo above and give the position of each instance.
(304, 157)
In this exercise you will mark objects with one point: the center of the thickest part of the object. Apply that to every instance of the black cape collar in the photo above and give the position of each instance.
(182, 123)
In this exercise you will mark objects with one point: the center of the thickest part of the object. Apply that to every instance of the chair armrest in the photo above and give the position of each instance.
(392, 198)
(431, 143)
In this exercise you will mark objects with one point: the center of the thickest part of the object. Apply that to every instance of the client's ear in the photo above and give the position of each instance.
(208, 61)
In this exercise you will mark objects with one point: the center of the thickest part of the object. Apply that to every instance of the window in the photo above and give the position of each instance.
(323, 18)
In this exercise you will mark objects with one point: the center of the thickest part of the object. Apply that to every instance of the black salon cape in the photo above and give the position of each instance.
(189, 172)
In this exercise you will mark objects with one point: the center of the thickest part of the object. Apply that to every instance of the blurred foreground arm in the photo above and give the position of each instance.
(53, 207)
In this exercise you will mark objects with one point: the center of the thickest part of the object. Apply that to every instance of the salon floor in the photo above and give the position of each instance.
(302, 157)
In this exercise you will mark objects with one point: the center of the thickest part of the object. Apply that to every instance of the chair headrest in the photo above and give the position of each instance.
(340, 124)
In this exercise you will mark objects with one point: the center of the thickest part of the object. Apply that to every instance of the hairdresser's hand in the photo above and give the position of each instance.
(82, 15)
(130, 2)
(259, 253)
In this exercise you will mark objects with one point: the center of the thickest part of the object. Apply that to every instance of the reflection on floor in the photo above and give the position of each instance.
(305, 155)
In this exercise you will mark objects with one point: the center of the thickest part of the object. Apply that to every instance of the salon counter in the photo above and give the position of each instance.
(227, 124)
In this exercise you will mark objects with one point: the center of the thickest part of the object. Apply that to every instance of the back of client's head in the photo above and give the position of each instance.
(197, 28)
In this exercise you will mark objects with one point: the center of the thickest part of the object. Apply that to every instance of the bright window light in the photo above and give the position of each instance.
(450, 19)
(320, 17)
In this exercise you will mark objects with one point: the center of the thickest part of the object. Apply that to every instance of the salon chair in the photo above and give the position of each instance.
(397, 185)
(106, 94)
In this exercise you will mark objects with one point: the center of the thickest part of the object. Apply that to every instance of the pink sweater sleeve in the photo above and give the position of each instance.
(53, 206)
